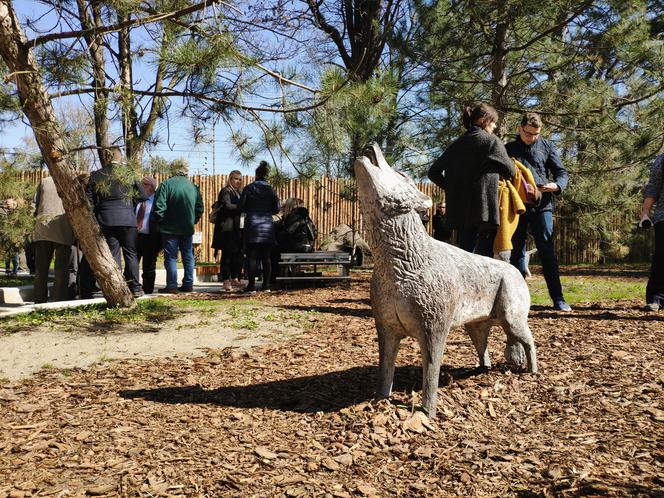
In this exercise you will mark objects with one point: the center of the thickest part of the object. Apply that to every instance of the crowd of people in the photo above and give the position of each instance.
(478, 173)
(252, 229)
(140, 219)
(495, 195)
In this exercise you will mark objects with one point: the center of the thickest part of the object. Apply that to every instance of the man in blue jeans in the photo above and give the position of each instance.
(539, 155)
(178, 206)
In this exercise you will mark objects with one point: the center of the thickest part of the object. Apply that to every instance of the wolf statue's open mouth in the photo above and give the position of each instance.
(370, 154)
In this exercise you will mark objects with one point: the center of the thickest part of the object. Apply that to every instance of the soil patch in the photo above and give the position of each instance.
(70, 345)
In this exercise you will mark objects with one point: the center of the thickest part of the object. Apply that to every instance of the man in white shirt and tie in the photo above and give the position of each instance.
(149, 242)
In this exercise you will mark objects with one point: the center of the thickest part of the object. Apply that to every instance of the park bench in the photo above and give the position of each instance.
(294, 267)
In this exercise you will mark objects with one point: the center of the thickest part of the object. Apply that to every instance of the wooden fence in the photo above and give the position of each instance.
(329, 201)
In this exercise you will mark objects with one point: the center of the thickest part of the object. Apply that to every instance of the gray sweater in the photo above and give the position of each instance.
(469, 171)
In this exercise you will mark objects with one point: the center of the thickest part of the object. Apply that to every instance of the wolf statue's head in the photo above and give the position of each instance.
(383, 190)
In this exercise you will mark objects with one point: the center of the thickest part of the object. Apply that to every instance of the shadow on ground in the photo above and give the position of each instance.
(328, 392)
(335, 310)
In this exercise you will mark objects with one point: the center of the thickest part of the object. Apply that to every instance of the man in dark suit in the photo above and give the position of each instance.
(113, 203)
(149, 241)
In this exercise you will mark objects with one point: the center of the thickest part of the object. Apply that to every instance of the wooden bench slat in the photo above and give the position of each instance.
(319, 263)
(317, 277)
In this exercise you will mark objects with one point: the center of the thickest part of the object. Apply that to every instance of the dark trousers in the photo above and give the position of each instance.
(231, 256)
(259, 253)
(655, 287)
(479, 241)
(86, 279)
(44, 251)
(541, 228)
(122, 242)
(29, 248)
(149, 245)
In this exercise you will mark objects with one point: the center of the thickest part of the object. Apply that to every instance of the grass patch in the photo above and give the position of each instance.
(16, 280)
(588, 289)
(93, 316)
(245, 323)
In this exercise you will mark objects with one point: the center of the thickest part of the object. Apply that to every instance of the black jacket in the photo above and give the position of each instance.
(259, 201)
(113, 201)
(296, 232)
(543, 161)
(469, 171)
(228, 220)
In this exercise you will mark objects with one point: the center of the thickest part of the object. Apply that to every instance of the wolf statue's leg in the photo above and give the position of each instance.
(388, 347)
(515, 355)
(432, 345)
(479, 334)
(518, 332)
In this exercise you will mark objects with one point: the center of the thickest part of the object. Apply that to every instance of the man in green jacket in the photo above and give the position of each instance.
(177, 208)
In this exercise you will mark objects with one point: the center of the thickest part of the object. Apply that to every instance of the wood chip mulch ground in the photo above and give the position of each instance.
(298, 419)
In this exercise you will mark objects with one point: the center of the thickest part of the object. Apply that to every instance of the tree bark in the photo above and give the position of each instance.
(37, 107)
(499, 67)
(96, 50)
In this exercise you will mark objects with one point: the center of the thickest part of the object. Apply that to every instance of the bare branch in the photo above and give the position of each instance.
(129, 23)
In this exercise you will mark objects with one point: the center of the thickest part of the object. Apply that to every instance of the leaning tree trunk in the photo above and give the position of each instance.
(37, 107)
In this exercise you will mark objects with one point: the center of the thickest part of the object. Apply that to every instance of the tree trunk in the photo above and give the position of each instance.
(37, 107)
(97, 59)
(499, 67)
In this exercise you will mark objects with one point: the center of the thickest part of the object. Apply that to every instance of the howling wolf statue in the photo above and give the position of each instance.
(422, 288)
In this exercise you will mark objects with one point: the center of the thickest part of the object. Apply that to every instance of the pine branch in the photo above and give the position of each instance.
(129, 23)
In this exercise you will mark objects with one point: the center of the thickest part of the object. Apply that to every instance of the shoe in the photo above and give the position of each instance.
(168, 290)
(561, 305)
(138, 293)
(186, 289)
(227, 285)
(652, 307)
(267, 290)
(249, 290)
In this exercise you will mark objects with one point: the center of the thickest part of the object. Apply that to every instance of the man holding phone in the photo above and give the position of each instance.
(541, 158)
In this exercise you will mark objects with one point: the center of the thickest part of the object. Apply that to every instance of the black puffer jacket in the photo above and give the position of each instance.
(297, 232)
(469, 171)
(259, 202)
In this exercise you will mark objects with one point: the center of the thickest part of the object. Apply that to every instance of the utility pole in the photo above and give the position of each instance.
(214, 149)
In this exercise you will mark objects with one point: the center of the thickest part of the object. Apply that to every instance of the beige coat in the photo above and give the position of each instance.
(52, 223)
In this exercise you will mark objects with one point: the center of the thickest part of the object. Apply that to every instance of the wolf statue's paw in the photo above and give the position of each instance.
(515, 355)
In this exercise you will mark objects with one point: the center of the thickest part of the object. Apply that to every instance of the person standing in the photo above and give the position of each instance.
(469, 171)
(541, 158)
(227, 235)
(113, 203)
(653, 195)
(259, 201)
(177, 208)
(52, 235)
(149, 242)
(440, 229)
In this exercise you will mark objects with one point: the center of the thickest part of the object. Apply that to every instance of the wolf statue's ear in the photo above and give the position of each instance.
(422, 201)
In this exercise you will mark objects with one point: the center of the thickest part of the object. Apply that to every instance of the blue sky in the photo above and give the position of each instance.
(176, 136)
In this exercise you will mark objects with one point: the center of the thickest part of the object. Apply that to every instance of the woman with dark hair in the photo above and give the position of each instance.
(227, 232)
(259, 201)
(469, 171)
